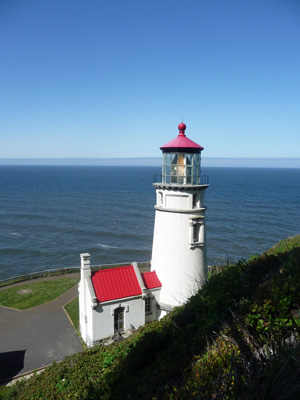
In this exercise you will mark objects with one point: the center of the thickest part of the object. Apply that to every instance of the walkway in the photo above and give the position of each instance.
(37, 337)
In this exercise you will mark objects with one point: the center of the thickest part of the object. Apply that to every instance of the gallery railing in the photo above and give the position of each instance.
(157, 179)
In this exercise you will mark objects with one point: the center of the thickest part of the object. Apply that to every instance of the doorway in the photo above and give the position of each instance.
(119, 320)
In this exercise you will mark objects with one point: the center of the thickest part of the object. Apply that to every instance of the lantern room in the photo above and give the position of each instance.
(181, 161)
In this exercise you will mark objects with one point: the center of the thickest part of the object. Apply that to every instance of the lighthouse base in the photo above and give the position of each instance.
(165, 309)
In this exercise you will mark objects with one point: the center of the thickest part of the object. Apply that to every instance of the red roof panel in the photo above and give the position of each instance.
(151, 280)
(181, 141)
(116, 283)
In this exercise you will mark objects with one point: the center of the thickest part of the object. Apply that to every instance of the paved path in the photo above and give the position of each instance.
(36, 337)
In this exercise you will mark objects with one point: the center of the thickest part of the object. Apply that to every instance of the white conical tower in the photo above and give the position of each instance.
(179, 243)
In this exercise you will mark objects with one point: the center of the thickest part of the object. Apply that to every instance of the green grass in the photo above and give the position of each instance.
(285, 245)
(42, 292)
(72, 309)
(43, 274)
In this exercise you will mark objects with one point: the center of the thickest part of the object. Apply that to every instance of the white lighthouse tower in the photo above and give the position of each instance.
(179, 244)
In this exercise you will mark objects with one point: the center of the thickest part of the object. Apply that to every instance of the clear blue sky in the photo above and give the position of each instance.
(100, 78)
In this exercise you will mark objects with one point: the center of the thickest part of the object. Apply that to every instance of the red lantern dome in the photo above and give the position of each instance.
(181, 143)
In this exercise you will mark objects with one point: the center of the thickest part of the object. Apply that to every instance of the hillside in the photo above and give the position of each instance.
(238, 338)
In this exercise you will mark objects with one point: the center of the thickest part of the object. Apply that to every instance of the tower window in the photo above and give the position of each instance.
(160, 198)
(196, 233)
(195, 198)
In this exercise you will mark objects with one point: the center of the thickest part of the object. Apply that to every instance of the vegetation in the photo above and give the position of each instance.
(34, 294)
(238, 338)
(72, 309)
(37, 275)
(285, 245)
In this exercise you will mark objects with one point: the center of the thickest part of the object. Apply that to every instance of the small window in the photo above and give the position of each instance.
(147, 305)
(160, 199)
(197, 233)
(195, 198)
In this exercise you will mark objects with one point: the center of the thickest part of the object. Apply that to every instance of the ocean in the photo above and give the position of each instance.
(51, 214)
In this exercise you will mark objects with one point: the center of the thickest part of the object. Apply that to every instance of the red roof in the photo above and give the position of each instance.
(116, 283)
(151, 280)
(182, 143)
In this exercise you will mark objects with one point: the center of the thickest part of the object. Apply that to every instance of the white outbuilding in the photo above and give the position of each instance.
(115, 300)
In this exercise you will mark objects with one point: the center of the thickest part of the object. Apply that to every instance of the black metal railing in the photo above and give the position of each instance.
(157, 178)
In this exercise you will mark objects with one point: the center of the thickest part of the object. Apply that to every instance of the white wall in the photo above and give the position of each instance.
(97, 320)
(179, 265)
(103, 316)
(155, 299)
(86, 304)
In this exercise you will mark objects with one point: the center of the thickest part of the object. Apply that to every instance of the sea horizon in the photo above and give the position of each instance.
(230, 162)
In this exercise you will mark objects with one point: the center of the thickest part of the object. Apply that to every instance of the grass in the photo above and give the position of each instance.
(285, 245)
(36, 275)
(41, 292)
(72, 309)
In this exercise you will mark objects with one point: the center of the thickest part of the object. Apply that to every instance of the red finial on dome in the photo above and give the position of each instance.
(181, 143)
(182, 128)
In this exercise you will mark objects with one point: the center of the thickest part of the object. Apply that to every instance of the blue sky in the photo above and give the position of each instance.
(94, 79)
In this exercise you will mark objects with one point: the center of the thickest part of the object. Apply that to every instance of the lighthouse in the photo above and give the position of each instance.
(179, 240)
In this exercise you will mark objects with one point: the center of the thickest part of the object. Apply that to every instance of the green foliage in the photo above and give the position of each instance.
(254, 257)
(212, 373)
(285, 245)
(72, 308)
(238, 338)
(39, 293)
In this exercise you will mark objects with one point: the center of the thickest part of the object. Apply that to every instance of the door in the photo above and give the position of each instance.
(119, 319)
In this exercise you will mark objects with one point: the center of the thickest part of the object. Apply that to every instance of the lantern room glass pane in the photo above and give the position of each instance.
(189, 159)
(181, 168)
(173, 158)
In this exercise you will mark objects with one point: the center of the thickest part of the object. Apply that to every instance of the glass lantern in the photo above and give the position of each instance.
(181, 168)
